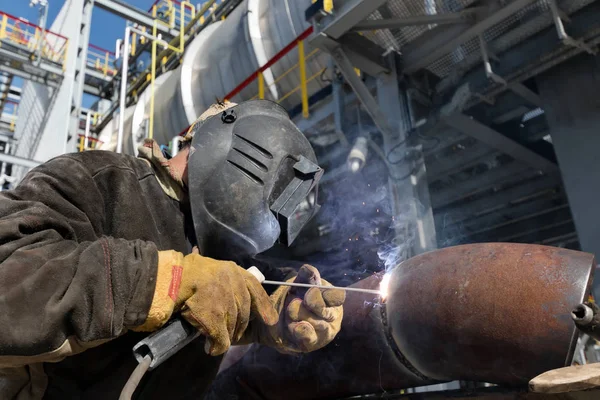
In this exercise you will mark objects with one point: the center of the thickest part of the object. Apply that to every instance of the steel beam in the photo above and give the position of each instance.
(347, 16)
(421, 58)
(78, 84)
(23, 162)
(413, 20)
(93, 90)
(28, 76)
(444, 166)
(514, 213)
(526, 93)
(22, 58)
(97, 74)
(362, 91)
(358, 50)
(497, 201)
(479, 183)
(133, 14)
(500, 142)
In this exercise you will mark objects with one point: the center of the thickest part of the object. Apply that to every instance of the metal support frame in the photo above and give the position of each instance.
(347, 16)
(76, 89)
(500, 142)
(489, 72)
(97, 74)
(415, 20)
(362, 92)
(23, 162)
(338, 105)
(42, 24)
(28, 76)
(421, 58)
(45, 69)
(557, 16)
(527, 94)
(133, 14)
(407, 179)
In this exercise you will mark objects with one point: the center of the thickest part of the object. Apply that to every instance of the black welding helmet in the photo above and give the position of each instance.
(252, 180)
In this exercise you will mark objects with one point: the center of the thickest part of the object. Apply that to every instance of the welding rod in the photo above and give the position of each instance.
(307, 285)
(261, 278)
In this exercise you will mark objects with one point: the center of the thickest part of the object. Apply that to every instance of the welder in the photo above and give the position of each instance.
(97, 249)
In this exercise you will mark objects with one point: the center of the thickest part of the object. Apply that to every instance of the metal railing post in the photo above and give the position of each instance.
(3, 26)
(88, 120)
(261, 85)
(123, 95)
(303, 84)
(152, 78)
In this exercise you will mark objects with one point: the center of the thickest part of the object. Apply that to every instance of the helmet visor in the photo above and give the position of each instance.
(298, 202)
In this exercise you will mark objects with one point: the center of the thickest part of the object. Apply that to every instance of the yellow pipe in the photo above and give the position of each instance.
(133, 43)
(105, 63)
(143, 38)
(80, 144)
(181, 25)
(171, 13)
(153, 12)
(328, 6)
(64, 58)
(288, 94)
(304, 92)
(3, 26)
(261, 86)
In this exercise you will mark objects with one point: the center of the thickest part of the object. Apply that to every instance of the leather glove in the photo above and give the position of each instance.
(308, 319)
(217, 297)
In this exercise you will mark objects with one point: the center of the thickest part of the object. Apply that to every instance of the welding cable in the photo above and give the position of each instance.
(135, 378)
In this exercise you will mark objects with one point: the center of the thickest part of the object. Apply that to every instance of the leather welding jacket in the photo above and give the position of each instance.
(78, 256)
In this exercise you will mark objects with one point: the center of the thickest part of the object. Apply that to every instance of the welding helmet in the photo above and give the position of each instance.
(252, 179)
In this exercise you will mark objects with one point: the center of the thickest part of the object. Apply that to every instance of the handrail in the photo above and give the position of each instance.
(269, 63)
(24, 21)
(93, 46)
(23, 33)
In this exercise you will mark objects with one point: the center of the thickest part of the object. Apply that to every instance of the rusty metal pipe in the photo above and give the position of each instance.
(493, 312)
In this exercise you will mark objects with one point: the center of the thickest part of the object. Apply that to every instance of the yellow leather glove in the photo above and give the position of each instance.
(217, 297)
(308, 319)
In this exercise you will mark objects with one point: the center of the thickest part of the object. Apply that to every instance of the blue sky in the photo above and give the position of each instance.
(100, 34)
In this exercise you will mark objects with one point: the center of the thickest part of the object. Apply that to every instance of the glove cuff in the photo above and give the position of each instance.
(168, 280)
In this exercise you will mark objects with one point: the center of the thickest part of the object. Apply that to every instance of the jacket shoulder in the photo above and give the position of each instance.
(98, 161)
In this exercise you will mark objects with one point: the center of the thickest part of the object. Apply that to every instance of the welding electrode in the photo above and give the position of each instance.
(258, 275)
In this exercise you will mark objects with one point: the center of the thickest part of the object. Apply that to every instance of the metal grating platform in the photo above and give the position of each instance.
(516, 28)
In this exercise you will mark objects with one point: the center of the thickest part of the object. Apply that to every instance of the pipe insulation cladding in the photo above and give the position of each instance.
(492, 312)
(222, 56)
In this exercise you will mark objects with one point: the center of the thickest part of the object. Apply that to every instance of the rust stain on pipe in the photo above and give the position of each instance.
(494, 312)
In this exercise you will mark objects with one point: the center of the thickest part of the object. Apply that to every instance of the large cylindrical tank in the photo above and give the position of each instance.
(108, 136)
(223, 55)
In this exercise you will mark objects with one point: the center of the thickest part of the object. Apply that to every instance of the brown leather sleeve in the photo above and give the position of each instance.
(61, 280)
